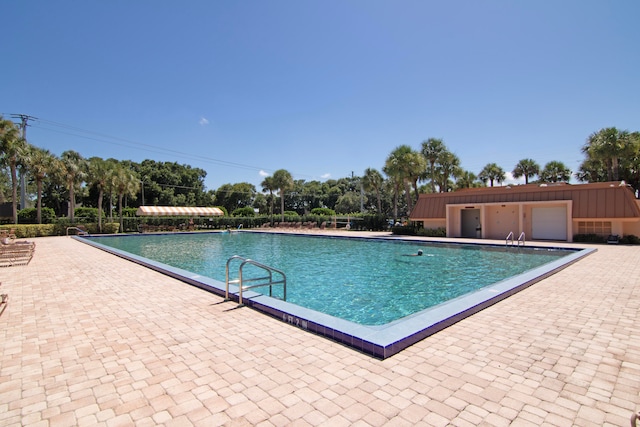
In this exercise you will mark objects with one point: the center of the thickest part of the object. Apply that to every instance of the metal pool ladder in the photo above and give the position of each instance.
(267, 280)
(509, 239)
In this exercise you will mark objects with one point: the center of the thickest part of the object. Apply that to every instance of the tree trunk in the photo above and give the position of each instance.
(100, 196)
(14, 194)
(39, 203)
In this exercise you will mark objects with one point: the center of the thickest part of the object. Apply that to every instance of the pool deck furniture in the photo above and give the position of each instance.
(16, 253)
(92, 339)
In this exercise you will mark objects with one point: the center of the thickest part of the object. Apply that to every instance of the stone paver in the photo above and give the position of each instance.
(91, 339)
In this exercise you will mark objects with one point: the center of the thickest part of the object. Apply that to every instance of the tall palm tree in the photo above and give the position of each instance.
(492, 172)
(408, 166)
(431, 150)
(283, 181)
(12, 148)
(555, 171)
(99, 172)
(40, 164)
(124, 182)
(372, 181)
(448, 166)
(269, 185)
(527, 168)
(73, 168)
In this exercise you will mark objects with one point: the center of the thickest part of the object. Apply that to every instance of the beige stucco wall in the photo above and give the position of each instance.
(500, 220)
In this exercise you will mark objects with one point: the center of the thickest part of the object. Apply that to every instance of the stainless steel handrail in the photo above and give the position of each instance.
(521, 239)
(240, 281)
(509, 237)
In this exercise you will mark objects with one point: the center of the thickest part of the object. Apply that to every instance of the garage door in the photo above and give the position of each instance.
(549, 223)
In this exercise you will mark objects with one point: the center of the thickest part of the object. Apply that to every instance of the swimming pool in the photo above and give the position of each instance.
(354, 290)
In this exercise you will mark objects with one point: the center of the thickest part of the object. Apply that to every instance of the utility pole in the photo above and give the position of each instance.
(24, 122)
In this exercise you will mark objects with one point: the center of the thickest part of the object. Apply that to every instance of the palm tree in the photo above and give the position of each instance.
(372, 181)
(431, 150)
(12, 148)
(100, 171)
(466, 179)
(73, 168)
(408, 166)
(40, 164)
(269, 185)
(555, 171)
(125, 183)
(609, 145)
(527, 168)
(283, 181)
(395, 181)
(448, 166)
(492, 172)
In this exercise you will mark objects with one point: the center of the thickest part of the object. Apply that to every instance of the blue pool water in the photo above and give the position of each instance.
(366, 281)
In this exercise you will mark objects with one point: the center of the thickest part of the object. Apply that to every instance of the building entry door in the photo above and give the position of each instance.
(470, 222)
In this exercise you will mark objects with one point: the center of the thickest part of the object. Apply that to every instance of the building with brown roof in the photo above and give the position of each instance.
(555, 211)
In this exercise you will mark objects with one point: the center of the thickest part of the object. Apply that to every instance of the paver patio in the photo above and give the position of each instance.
(91, 339)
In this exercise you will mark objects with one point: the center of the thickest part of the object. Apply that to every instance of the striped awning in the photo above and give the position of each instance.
(177, 211)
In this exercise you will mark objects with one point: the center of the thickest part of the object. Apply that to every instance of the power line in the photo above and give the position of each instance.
(123, 142)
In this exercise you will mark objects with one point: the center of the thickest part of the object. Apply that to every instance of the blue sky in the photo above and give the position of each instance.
(323, 89)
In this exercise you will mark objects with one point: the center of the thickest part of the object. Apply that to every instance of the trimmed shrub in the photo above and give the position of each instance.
(630, 239)
(589, 238)
(323, 211)
(246, 212)
(30, 216)
(85, 214)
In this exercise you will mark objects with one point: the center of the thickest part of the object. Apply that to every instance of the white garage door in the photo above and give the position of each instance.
(549, 223)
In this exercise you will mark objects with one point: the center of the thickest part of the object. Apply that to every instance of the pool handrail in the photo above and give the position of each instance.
(240, 281)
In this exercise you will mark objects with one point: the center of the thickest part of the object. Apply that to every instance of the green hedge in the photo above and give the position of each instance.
(24, 231)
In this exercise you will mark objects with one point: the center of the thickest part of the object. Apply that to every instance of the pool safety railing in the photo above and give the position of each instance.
(267, 280)
(510, 239)
(79, 231)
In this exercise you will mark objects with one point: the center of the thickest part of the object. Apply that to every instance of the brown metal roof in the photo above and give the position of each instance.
(597, 200)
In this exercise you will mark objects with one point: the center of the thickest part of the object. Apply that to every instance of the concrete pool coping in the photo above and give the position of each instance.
(377, 341)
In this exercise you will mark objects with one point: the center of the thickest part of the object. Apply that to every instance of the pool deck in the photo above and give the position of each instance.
(88, 338)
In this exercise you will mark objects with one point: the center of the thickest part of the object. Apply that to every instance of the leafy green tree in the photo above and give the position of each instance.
(527, 168)
(348, 203)
(234, 196)
(261, 203)
(283, 181)
(73, 168)
(12, 150)
(172, 184)
(492, 172)
(555, 171)
(372, 181)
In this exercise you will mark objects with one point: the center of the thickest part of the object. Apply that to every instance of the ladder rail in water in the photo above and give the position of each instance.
(268, 280)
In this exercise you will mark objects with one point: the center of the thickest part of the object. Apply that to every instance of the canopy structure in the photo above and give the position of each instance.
(177, 211)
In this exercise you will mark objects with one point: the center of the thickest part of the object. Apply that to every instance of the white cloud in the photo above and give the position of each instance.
(511, 180)
(325, 176)
(263, 173)
(203, 121)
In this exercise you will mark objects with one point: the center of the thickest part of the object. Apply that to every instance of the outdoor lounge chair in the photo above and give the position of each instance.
(16, 253)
